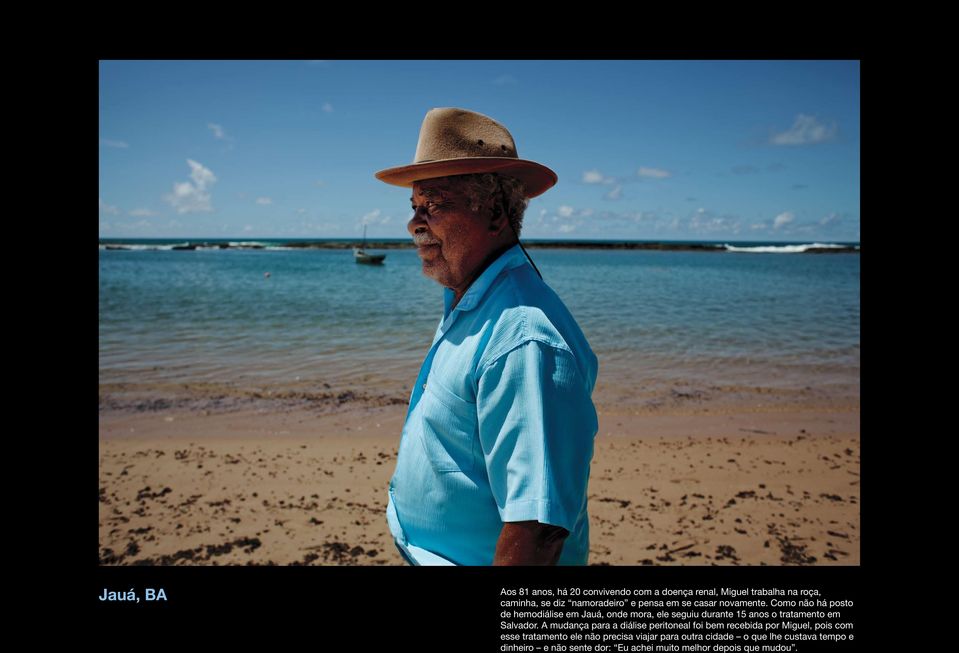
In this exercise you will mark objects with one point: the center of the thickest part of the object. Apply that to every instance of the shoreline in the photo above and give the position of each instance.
(191, 244)
(650, 399)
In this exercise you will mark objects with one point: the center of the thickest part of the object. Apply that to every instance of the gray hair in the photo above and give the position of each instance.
(478, 188)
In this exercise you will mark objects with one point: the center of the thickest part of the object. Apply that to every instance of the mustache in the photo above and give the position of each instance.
(423, 238)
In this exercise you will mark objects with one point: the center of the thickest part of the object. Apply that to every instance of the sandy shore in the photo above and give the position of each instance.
(756, 483)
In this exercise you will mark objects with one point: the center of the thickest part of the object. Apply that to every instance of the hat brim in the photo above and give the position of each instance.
(536, 177)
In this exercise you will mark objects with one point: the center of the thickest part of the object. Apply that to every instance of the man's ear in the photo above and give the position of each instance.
(498, 218)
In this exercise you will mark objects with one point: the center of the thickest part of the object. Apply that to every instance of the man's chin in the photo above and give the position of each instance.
(435, 272)
(429, 256)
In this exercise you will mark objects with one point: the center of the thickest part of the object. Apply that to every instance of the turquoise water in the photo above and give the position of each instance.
(782, 320)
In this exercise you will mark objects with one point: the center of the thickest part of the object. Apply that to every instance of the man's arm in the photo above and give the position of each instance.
(536, 429)
(529, 543)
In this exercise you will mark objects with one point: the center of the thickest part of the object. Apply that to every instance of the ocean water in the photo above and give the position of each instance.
(768, 317)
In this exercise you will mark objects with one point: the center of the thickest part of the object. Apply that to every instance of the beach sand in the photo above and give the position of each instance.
(750, 481)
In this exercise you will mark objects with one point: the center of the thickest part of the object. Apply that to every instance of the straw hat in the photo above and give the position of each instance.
(458, 142)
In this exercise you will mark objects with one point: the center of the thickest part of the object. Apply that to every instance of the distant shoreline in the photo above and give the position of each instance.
(546, 244)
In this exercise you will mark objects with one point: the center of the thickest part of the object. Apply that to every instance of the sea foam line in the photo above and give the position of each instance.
(781, 249)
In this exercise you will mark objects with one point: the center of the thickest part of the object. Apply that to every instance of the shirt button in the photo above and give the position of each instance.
(424, 386)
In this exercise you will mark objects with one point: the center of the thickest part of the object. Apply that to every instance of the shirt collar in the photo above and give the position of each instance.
(509, 259)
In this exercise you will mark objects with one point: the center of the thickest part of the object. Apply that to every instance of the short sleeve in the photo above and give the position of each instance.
(536, 425)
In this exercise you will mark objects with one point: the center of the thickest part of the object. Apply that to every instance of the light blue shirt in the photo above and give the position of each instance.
(500, 426)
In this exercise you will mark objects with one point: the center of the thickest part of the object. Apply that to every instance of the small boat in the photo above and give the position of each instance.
(360, 255)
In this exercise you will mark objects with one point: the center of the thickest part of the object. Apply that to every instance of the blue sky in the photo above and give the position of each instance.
(664, 150)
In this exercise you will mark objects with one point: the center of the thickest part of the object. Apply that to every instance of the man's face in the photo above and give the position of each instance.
(452, 241)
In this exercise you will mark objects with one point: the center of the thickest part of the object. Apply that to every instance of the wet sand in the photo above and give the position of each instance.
(676, 481)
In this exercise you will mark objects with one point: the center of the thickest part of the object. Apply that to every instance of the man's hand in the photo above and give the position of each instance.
(529, 543)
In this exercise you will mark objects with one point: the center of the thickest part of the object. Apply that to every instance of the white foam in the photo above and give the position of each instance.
(247, 243)
(780, 249)
(142, 247)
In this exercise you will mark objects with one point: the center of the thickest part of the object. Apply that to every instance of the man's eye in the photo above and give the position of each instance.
(431, 207)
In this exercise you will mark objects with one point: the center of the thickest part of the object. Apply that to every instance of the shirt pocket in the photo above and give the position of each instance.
(449, 429)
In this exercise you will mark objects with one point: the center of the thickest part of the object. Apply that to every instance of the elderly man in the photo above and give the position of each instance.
(494, 458)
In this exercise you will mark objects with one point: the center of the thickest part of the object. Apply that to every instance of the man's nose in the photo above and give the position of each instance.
(416, 222)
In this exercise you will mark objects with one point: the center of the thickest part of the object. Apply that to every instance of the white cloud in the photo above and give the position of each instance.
(596, 177)
(705, 221)
(144, 213)
(805, 131)
(314, 228)
(218, 132)
(301, 211)
(328, 107)
(655, 173)
(319, 183)
(502, 80)
(701, 222)
(564, 219)
(264, 201)
(642, 216)
(615, 194)
(193, 197)
(107, 143)
(375, 217)
(140, 226)
(248, 228)
(107, 208)
(830, 219)
(201, 176)
(783, 219)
